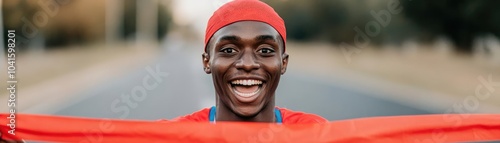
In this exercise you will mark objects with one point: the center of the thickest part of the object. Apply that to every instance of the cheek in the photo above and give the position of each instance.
(219, 67)
(272, 66)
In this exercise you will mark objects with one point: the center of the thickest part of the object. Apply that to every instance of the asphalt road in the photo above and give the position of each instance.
(181, 87)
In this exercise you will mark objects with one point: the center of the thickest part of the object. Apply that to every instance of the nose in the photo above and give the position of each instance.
(247, 62)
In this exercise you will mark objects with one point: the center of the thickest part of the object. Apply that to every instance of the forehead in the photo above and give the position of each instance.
(246, 30)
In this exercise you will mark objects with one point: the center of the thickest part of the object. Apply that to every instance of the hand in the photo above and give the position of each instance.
(9, 141)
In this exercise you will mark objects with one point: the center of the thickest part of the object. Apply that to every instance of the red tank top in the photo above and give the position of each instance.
(288, 116)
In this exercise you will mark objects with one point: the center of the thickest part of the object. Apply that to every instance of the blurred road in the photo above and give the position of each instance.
(187, 88)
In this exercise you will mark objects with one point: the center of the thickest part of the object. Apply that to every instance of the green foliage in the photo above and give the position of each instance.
(129, 20)
(334, 20)
(460, 20)
(306, 20)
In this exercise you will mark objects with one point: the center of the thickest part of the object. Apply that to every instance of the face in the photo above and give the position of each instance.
(246, 60)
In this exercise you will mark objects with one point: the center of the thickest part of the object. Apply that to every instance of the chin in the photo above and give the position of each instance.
(246, 112)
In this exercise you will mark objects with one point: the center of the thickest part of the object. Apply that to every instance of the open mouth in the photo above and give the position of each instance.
(246, 90)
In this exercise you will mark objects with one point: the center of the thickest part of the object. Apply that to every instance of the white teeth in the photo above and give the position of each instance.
(247, 82)
(247, 94)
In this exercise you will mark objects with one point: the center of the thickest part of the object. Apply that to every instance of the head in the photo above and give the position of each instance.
(246, 57)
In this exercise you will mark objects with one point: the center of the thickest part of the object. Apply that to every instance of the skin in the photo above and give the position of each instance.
(245, 49)
(256, 51)
(9, 141)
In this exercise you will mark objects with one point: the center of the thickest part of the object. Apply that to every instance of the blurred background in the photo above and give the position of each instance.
(135, 59)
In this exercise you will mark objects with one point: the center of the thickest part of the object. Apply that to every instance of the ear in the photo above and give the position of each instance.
(206, 62)
(284, 63)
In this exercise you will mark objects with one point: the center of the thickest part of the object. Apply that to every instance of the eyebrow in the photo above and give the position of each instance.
(264, 38)
(234, 38)
(231, 38)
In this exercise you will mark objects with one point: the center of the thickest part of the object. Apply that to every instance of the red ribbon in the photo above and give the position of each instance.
(393, 129)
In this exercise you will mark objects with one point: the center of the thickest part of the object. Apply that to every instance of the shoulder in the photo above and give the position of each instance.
(290, 116)
(198, 116)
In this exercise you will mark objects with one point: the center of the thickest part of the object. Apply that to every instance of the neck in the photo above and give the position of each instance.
(223, 113)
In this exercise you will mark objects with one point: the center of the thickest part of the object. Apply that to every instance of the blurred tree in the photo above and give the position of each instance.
(130, 15)
(324, 20)
(334, 20)
(306, 20)
(164, 21)
(13, 12)
(129, 19)
(75, 22)
(460, 20)
(299, 18)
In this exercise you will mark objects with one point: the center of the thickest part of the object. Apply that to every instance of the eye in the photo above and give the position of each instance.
(266, 50)
(228, 50)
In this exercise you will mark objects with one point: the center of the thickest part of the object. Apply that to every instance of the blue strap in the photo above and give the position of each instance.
(211, 116)
(277, 113)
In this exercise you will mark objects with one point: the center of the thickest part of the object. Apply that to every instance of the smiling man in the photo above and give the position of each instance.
(245, 54)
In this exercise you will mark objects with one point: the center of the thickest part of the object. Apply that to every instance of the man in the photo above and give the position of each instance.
(245, 53)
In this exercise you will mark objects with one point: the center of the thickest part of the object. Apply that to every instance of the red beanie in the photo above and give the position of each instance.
(244, 10)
